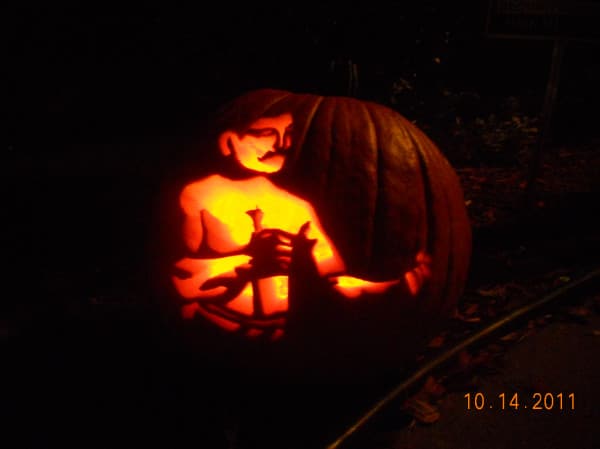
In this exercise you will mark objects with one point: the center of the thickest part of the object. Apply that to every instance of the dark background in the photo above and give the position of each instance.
(83, 74)
(102, 103)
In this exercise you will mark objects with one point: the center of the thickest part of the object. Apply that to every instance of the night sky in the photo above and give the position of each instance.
(101, 74)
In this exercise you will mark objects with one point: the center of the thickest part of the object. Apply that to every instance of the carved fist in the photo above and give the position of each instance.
(416, 277)
(301, 242)
(270, 250)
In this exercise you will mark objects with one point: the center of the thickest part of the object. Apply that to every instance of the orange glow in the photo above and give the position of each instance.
(254, 332)
(216, 210)
(352, 287)
(412, 282)
(188, 311)
(419, 275)
(243, 302)
(203, 269)
(235, 227)
(262, 147)
(220, 321)
(216, 216)
(277, 334)
(229, 227)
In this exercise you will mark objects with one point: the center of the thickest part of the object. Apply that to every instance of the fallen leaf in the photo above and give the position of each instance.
(464, 319)
(481, 358)
(491, 312)
(471, 309)
(526, 334)
(579, 311)
(499, 291)
(462, 382)
(464, 359)
(478, 178)
(421, 410)
(437, 341)
(512, 336)
(495, 348)
(433, 388)
(543, 320)
(490, 215)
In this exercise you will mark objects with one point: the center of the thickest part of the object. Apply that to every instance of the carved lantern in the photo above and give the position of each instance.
(329, 222)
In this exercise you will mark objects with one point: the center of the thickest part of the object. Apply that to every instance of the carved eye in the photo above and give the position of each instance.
(262, 132)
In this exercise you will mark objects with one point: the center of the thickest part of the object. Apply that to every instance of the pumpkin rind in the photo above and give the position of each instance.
(383, 192)
(382, 188)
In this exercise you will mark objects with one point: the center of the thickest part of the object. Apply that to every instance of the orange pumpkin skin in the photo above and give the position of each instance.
(383, 192)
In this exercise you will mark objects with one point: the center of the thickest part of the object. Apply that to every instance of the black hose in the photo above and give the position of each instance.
(447, 355)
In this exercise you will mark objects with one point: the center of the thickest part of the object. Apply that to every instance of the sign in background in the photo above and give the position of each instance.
(560, 21)
(543, 19)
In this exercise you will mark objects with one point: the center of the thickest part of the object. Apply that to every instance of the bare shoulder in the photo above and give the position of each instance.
(193, 195)
(290, 199)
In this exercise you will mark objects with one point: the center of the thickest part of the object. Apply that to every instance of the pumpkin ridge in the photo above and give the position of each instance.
(275, 102)
(312, 111)
(430, 220)
(450, 270)
(328, 175)
(423, 224)
(330, 151)
(278, 94)
(455, 271)
(456, 218)
(435, 196)
(233, 107)
(377, 207)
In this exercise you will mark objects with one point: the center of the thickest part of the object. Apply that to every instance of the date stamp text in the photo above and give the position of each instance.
(520, 401)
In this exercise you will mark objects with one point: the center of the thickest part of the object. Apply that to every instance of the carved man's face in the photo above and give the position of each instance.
(264, 145)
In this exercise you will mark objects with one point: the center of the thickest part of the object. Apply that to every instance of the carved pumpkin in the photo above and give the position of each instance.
(324, 213)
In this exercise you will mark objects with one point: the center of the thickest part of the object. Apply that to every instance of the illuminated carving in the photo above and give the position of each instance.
(241, 235)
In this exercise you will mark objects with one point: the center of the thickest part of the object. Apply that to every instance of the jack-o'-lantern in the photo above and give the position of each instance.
(323, 213)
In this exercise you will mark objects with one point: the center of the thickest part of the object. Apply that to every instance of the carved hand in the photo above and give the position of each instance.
(416, 278)
(270, 250)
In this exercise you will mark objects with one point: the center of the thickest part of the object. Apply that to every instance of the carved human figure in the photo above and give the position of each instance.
(241, 233)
